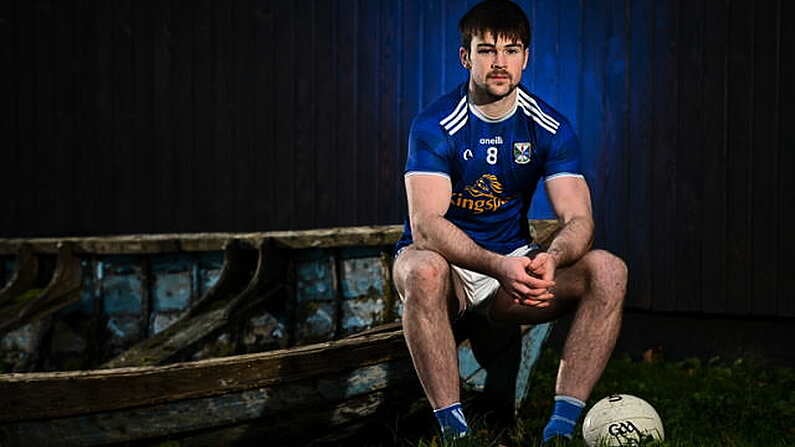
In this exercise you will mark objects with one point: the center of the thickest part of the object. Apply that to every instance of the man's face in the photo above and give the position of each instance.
(495, 65)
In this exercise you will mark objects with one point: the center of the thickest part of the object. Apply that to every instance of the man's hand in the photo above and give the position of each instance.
(528, 281)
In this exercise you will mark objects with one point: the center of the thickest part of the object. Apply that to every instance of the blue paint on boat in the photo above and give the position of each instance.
(124, 330)
(173, 282)
(122, 285)
(316, 322)
(172, 291)
(361, 314)
(315, 280)
(472, 374)
(362, 277)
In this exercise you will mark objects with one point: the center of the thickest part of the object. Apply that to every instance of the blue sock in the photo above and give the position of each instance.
(451, 421)
(564, 417)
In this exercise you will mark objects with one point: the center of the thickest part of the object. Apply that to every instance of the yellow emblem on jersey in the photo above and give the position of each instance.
(484, 195)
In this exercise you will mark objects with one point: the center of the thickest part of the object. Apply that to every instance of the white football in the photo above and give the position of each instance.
(621, 420)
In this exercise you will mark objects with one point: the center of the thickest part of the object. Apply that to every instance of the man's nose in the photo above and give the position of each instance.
(499, 60)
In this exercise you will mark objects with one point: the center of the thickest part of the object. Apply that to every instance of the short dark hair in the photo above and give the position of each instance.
(503, 18)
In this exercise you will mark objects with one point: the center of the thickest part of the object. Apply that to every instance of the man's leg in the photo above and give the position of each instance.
(423, 279)
(596, 285)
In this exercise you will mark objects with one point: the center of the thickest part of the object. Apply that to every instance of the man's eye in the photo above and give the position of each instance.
(512, 51)
(485, 51)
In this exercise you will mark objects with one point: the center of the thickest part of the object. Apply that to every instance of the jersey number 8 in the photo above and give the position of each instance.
(491, 155)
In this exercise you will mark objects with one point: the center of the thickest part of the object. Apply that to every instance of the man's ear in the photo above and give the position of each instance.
(463, 55)
(526, 57)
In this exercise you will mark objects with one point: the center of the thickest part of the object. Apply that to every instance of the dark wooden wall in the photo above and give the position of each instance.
(163, 116)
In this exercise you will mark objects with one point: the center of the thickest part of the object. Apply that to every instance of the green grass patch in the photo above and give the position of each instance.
(741, 403)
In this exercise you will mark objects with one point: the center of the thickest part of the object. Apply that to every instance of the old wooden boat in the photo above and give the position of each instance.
(217, 339)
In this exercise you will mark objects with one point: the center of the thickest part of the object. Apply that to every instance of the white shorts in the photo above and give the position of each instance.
(479, 288)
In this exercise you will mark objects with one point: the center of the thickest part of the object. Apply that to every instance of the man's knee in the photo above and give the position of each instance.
(607, 271)
(422, 276)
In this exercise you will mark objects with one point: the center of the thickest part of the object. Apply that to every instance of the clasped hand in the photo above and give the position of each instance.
(529, 281)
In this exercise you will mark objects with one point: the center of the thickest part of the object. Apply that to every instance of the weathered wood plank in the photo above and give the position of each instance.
(310, 398)
(169, 243)
(62, 290)
(341, 420)
(81, 392)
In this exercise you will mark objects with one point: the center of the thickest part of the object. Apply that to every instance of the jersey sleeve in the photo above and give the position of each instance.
(428, 149)
(563, 158)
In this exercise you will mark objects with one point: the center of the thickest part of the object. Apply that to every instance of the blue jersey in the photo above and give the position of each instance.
(493, 165)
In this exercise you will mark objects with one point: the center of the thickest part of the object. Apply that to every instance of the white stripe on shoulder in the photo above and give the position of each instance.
(563, 174)
(533, 114)
(456, 111)
(435, 173)
(529, 100)
(462, 115)
(459, 126)
(537, 112)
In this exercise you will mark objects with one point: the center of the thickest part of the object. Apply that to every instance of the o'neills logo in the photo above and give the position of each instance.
(481, 196)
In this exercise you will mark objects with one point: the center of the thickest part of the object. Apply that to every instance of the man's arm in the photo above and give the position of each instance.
(572, 203)
(571, 200)
(428, 200)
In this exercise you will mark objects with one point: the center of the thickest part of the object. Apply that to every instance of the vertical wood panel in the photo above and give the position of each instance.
(740, 157)
(265, 111)
(164, 163)
(367, 67)
(388, 166)
(44, 173)
(64, 146)
(224, 149)
(764, 173)
(326, 76)
(183, 113)
(241, 78)
(664, 191)
(432, 52)
(690, 160)
(545, 59)
(714, 205)
(283, 172)
(206, 169)
(303, 204)
(8, 116)
(640, 251)
(543, 73)
(347, 125)
(570, 64)
(411, 81)
(83, 163)
(615, 194)
(122, 160)
(105, 182)
(592, 96)
(786, 300)
(145, 202)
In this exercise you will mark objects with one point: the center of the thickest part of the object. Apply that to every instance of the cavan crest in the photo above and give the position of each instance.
(522, 153)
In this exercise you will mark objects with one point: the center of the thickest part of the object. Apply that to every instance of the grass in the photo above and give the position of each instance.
(741, 403)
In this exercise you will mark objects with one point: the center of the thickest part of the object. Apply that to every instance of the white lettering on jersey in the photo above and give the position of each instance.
(467, 154)
(495, 140)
